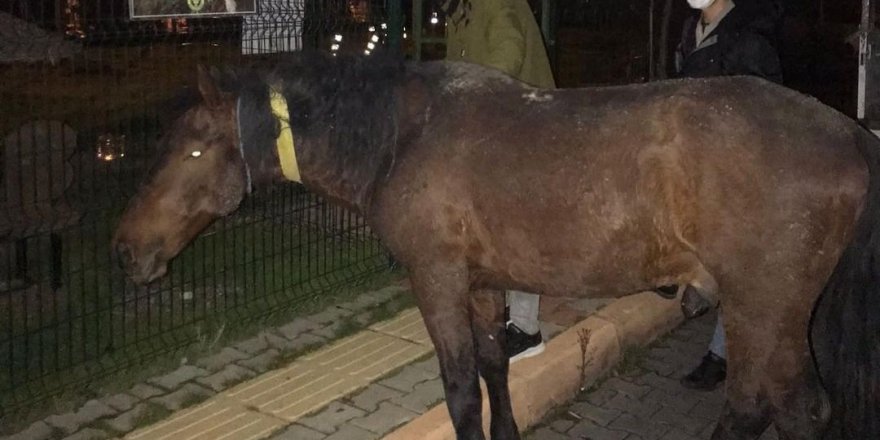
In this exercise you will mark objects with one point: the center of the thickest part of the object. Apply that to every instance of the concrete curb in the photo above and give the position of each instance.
(539, 384)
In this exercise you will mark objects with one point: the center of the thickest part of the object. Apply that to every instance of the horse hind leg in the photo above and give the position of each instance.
(684, 275)
(802, 413)
(743, 422)
(770, 375)
(799, 410)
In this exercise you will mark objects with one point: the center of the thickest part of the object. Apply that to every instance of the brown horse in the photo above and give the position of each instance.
(730, 186)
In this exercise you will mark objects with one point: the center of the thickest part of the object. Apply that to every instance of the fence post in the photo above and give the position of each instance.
(395, 24)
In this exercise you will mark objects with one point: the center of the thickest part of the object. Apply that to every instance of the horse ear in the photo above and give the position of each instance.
(208, 87)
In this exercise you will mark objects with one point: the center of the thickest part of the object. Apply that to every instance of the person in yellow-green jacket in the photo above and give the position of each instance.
(503, 34)
(499, 33)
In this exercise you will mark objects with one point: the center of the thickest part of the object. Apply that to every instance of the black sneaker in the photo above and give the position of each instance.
(708, 375)
(521, 345)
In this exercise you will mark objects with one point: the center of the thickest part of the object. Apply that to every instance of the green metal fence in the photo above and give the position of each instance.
(84, 94)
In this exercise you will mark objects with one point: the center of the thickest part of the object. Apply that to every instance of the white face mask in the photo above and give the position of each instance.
(700, 4)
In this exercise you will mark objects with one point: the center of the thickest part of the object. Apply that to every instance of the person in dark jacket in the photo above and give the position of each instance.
(726, 39)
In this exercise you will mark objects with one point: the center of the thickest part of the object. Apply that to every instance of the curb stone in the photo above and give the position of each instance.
(188, 395)
(220, 360)
(71, 422)
(223, 379)
(127, 421)
(540, 383)
(36, 431)
(120, 402)
(262, 362)
(88, 434)
(176, 378)
(298, 343)
(254, 345)
(144, 391)
(297, 327)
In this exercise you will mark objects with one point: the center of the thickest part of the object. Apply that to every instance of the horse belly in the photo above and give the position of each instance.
(588, 264)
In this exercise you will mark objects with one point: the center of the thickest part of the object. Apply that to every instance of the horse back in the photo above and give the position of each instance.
(580, 188)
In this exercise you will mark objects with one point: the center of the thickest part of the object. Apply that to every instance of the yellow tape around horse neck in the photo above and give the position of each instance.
(284, 143)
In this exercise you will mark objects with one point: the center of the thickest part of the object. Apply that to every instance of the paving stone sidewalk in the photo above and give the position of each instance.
(643, 400)
(384, 404)
(154, 399)
(404, 395)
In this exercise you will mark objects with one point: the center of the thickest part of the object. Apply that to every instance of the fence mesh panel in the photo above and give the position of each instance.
(84, 95)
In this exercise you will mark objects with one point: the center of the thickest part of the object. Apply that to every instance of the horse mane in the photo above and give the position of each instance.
(347, 101)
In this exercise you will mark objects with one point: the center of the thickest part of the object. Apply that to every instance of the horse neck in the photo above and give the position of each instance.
(352, 143)
(347, 164)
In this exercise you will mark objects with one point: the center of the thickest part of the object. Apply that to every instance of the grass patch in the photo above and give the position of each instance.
(98, 334)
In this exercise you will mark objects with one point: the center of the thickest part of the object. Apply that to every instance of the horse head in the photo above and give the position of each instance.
(309, 119)
(202, 177)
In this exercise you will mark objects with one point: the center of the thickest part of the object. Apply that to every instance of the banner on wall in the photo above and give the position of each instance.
(151, 9)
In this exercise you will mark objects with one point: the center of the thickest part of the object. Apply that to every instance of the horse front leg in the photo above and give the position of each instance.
(441, 291)
(487, 321)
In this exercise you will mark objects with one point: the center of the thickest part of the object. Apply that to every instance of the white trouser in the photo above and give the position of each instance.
(524, 310)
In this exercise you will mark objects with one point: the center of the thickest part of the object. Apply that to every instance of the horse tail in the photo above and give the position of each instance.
(845, 326)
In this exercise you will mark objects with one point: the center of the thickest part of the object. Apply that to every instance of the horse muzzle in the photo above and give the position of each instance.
(142, 266)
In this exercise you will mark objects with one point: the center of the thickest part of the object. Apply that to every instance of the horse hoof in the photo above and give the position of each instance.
(693, 304)
(667, 292)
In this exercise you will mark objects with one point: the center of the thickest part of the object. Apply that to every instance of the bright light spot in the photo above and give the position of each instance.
(371, 46)
(334, 46)
(196, 153)
(404, 35)
(383, 26)
(375, 39)
(109, 157)
(366, 52)
(434, 19)
(337, 37)
(372, 28)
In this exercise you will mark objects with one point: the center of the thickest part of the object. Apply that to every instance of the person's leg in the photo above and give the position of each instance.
(713, 369)
(717, 345)
(523, 332)
(524, 309)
